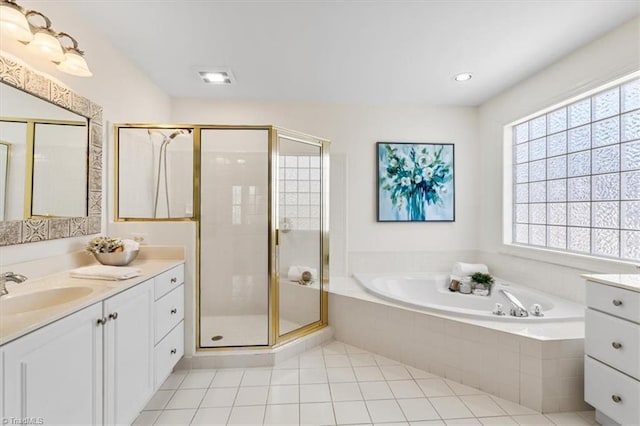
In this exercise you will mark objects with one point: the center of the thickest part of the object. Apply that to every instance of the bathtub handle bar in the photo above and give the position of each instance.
(518, 310)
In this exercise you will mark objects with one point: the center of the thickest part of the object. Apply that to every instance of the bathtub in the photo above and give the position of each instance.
(430, 292)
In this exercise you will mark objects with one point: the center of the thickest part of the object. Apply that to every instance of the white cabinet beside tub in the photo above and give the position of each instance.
(99, 365)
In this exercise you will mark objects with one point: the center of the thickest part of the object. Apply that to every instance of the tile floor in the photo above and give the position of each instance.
(334, 384)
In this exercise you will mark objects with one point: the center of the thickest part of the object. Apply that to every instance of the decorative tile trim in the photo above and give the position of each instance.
(21, 76)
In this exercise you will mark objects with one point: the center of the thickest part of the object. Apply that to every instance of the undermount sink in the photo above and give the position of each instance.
(48, 298)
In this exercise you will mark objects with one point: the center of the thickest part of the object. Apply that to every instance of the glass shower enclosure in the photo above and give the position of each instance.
(260, 203)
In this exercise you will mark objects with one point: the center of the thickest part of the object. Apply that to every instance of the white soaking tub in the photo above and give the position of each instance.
(429, 291)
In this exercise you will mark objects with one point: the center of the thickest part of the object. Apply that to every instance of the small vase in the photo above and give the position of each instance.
(415, 207)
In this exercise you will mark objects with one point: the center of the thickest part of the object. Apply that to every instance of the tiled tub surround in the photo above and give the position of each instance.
(538, 366)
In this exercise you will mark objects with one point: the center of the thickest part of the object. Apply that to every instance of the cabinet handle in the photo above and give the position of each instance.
(174, 280)
(616, 345)
(174, 351)
(102, 321)
(113, 316)
(617, 302)
(174, 311)
(616, 398)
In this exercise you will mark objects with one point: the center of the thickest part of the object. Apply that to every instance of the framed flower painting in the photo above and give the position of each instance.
(415, 182)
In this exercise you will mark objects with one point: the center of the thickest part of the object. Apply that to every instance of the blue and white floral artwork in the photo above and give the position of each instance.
(415, 182)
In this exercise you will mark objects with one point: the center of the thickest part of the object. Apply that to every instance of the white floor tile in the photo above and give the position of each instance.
(175, 417)
(375, 390)
(351, 412)
(362, 360)
(340, 374)
(256, 378)
(482, 406)
(147, 418)
(498, 421)
(463, 422)
(387, 424)
(253, 415)
(589, 416)
(284, 377)
(532, 420)
(315, 393)
(416, 409)
(334, 348)
(512, 408)
(368, 374)
(568, 419)
(290, 363)
(313, 375)
(355, 350)
(420, 374)
(286, 394)
(252, 395)
(311, 361)
(186, 398)
(211, 416)
(345, 392)
(282, 414)
(384, 411)
(395, 372)
(159, 400)
(450, 407)
(317, 414)
(198, 379)
(385, 361)
(460, 389)
(405, 389)
(219, 397)
(435, 387)
(227, 379)
(341, 360)
(428, 423)
(174, 380)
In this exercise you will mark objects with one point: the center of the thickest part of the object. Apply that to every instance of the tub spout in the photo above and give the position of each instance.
(517, 309)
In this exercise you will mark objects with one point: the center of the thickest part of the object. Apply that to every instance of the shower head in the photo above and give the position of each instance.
(179, 132)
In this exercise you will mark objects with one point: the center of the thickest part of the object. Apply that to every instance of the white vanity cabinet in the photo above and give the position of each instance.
(612, 353)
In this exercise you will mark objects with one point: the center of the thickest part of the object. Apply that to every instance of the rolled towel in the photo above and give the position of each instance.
(465, 269)
(130, 245)
(295, 272)
(103, 272)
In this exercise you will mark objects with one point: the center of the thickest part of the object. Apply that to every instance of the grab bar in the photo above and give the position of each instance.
(517, 310)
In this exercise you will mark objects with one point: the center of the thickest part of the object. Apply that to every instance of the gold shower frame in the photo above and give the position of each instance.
(274, 133)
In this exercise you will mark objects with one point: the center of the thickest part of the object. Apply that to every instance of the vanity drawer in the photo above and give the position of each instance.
(613, 393)
(169, 311)
(613, 341)
(167, 353)
(168, 280)
(616, 301)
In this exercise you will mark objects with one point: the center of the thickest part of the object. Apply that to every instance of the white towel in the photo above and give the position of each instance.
(103, 272)
(462, 269)
(295, 272)
(130, 245)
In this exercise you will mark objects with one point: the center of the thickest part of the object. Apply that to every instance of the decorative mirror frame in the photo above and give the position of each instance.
(22, 77)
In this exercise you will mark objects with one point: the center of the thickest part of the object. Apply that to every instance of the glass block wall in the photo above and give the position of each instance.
(576, 176)
(299, 196)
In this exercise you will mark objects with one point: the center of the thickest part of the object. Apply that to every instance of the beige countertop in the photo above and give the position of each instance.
(625, 281)
(13, 326)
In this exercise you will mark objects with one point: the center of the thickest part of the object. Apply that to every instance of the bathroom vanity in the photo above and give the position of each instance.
(612, 348)
(97, 356)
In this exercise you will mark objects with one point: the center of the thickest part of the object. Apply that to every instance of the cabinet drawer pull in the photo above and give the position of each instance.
(174, 351)
(174, 311)
(616, 345)
(617, 302)
(113, 316)
(174, 280)
(102, 321)
(616, 398)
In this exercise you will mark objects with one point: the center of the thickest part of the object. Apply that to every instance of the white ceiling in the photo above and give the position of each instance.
(350, 51)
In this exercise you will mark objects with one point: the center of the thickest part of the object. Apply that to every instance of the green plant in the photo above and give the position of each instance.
(484, 279)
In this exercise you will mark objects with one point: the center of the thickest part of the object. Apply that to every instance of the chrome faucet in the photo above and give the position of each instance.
(9, 276)
(517, 309)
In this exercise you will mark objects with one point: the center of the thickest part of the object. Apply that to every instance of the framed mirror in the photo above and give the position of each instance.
(50, 158)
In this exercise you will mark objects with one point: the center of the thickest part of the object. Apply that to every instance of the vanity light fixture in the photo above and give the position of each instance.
(463, 76)
(18, 24)
(216, 77)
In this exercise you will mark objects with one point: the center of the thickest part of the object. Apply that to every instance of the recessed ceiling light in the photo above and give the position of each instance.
(216, 77)
(463, 76)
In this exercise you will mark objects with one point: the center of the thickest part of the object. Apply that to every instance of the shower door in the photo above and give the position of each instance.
(234, 237)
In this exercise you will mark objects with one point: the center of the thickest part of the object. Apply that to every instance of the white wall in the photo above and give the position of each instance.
(125, 94)
(614, 55)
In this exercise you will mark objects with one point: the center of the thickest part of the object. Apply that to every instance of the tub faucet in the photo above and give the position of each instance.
(517, 309)
(9, 276)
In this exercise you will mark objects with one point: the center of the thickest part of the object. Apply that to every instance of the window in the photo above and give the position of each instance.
(300, 192)
(576, 176)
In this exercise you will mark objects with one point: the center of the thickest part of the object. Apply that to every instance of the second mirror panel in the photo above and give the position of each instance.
(300, 234)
